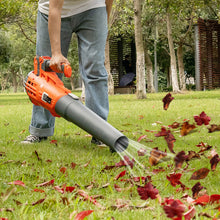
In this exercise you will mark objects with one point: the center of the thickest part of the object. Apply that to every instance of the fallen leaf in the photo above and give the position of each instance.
(39, 201)
(63, 169)
(125, 162)
(214, 161)
(179, 159)
(203, 147)
(174, 179)
(17, 182)
(120, 175)
(53, 142)
(190, 213)
(167, 100)
(200, 174)
(196, 189)
(163, 132)
(202, 119)
(48, 183)
(186, 128)
(214, 128)
(176, 208)
(83, 214)
(202, 200)
(174, 125)
(73, 165)
(141, 138)
(39, 190)
(147, 191)
(90, 199)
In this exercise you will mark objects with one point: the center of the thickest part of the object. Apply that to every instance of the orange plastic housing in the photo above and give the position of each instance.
(44, 88)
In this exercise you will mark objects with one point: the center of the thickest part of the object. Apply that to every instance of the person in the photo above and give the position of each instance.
(57, 20)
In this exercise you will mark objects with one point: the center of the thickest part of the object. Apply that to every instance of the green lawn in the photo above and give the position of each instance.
(39, 163)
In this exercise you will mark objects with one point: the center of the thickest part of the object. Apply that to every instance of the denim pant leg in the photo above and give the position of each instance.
(92, 35)
(42, 122)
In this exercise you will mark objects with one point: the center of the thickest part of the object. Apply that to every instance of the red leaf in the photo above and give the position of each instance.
(17, 182)
(48, 183)
(202, 200)
(214, 198)
(39, 190)
(190, 214)
(83, 214)
(125, 162)
(69, 188)
(88, 198)
(120, 175)
(73, 165)
(53, 142)
(203, 147)
(200, 174)
(63, 170)
(147, 191)
(170, 139)
(174, 209)
(202, 119)
(39, 201)
(174, 179)
(141, 137)
(163, 132)
(167, 100)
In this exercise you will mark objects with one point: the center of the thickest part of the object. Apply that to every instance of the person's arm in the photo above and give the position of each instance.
(108, 7)
(54, 29)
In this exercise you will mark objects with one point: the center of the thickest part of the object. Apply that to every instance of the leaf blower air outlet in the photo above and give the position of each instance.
(45, 89)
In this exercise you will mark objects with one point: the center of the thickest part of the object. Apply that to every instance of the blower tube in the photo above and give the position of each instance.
(71, 108)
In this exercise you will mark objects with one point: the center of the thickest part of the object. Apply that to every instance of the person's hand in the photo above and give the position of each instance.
(56, 61)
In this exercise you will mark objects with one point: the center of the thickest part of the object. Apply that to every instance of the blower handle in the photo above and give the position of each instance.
(66, 68)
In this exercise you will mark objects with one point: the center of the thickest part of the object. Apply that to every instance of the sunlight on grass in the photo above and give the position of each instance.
(93, 169)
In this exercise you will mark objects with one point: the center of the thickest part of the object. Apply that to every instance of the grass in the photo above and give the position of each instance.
(38, 163)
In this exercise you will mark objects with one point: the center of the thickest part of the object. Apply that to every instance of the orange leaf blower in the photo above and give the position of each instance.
(45, 89)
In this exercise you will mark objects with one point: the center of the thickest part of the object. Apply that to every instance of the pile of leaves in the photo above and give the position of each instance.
(177, 209)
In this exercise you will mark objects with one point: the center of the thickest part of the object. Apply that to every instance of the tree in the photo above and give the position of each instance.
(173, 66)
(140, 62)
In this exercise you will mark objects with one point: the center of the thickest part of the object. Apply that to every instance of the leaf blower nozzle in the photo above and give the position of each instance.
(44, 88)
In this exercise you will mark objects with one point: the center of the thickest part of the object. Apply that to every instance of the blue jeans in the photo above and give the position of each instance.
(91, 30)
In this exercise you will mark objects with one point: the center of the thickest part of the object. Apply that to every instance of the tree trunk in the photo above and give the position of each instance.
(181, 68)
(140, 62)
(149, 72)
(82, 97)
(72, 83)
(173, 66)
(108, 69)
(14, 81)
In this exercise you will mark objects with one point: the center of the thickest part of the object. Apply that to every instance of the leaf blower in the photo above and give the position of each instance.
(45, 89)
